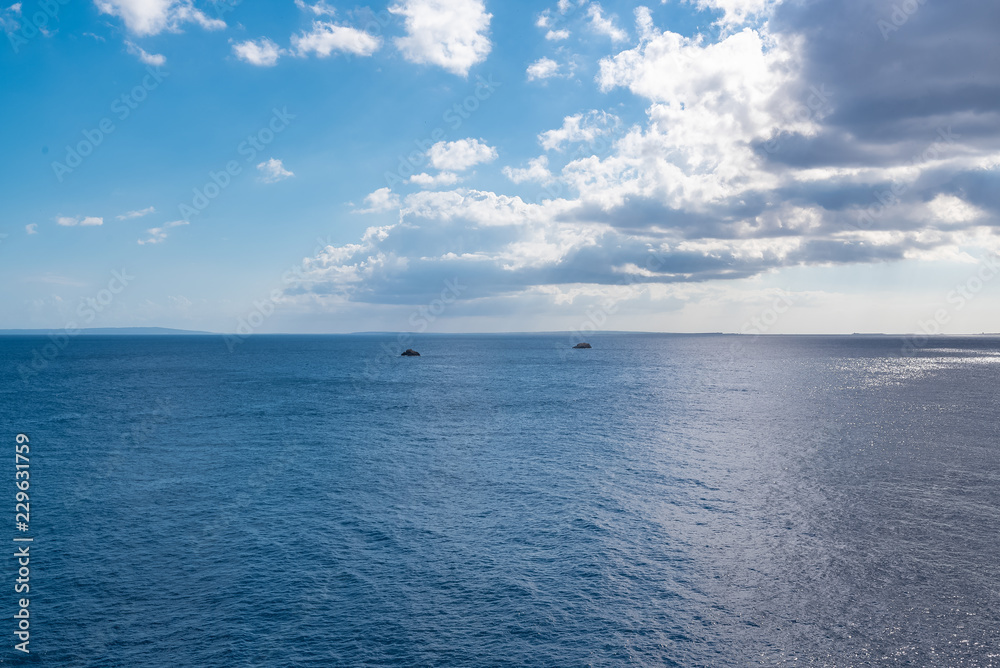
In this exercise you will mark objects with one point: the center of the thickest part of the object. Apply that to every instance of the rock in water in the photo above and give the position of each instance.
(582, 345)
(410, 352)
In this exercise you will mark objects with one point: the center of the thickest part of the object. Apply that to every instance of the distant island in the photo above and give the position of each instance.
(107, 331)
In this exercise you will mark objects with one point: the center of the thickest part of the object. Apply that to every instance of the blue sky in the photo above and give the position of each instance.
(459, 165)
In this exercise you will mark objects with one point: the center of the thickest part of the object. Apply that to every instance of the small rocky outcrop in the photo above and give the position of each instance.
(410, 352)
(582, 345)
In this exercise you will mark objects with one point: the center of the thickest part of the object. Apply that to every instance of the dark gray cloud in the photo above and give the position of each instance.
(896, 77)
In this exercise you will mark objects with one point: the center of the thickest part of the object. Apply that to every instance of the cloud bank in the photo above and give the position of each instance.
(829, 134)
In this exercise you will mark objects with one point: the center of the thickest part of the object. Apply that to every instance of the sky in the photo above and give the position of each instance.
(757, 166)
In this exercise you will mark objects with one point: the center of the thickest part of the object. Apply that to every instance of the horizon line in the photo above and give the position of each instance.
(171, 331)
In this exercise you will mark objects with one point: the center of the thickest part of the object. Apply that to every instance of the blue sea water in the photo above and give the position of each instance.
(505, 501)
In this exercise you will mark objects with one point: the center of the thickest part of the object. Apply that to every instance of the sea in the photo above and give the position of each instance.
(504, 500)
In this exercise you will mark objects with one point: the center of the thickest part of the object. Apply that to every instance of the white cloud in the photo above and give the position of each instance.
(262, 52)
(453, 34)
(151, 17)
(319, 9)
(543, 68)
(137, 214)
(325, 38)
(644, 24)
(537, 170)
(159, 234)
(31, 228)
(738, 74)
(735, 12)
(273, 171)
(10, 18)
(604, 25)
(380, 201)
(88, 221)
(435, 180)
(180, 302)
(710, 103)
(951, 209)
(456, 156)
(154, 59)
(557, 35)
(579, 128)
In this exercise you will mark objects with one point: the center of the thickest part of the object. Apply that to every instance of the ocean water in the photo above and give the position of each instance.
(504, 501)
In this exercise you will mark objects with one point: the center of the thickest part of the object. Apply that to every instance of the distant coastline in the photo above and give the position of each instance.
(168, 331)
(108, 331)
